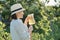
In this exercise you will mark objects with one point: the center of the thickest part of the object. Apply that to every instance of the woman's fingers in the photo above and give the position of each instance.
(27, 20)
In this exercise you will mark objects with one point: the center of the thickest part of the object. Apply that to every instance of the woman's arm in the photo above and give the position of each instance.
(20, 31)
(30, 29)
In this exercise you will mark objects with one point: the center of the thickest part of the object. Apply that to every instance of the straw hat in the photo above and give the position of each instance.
(16, 8)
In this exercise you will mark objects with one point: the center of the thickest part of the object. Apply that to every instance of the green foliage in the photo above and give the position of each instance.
(47, 25)
(3, 34)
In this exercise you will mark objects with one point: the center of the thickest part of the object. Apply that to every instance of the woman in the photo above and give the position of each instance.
(18, 29)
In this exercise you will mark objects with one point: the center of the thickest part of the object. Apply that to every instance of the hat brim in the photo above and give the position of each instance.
(18, 11)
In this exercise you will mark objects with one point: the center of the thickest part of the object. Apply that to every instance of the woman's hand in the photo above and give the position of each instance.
(27, 20)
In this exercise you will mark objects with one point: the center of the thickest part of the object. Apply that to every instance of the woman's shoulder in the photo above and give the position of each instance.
(17, 21)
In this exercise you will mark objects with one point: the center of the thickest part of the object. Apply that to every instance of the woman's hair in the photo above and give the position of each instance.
(14, 16)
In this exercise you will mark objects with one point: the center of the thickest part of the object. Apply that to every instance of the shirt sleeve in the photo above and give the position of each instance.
(20, 29)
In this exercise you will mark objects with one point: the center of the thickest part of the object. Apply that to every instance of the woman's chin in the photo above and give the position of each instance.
(21, 17)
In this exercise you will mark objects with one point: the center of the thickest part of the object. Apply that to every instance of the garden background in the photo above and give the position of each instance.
(47, 18)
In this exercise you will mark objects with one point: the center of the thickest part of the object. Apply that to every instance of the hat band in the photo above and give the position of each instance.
(16, 10)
